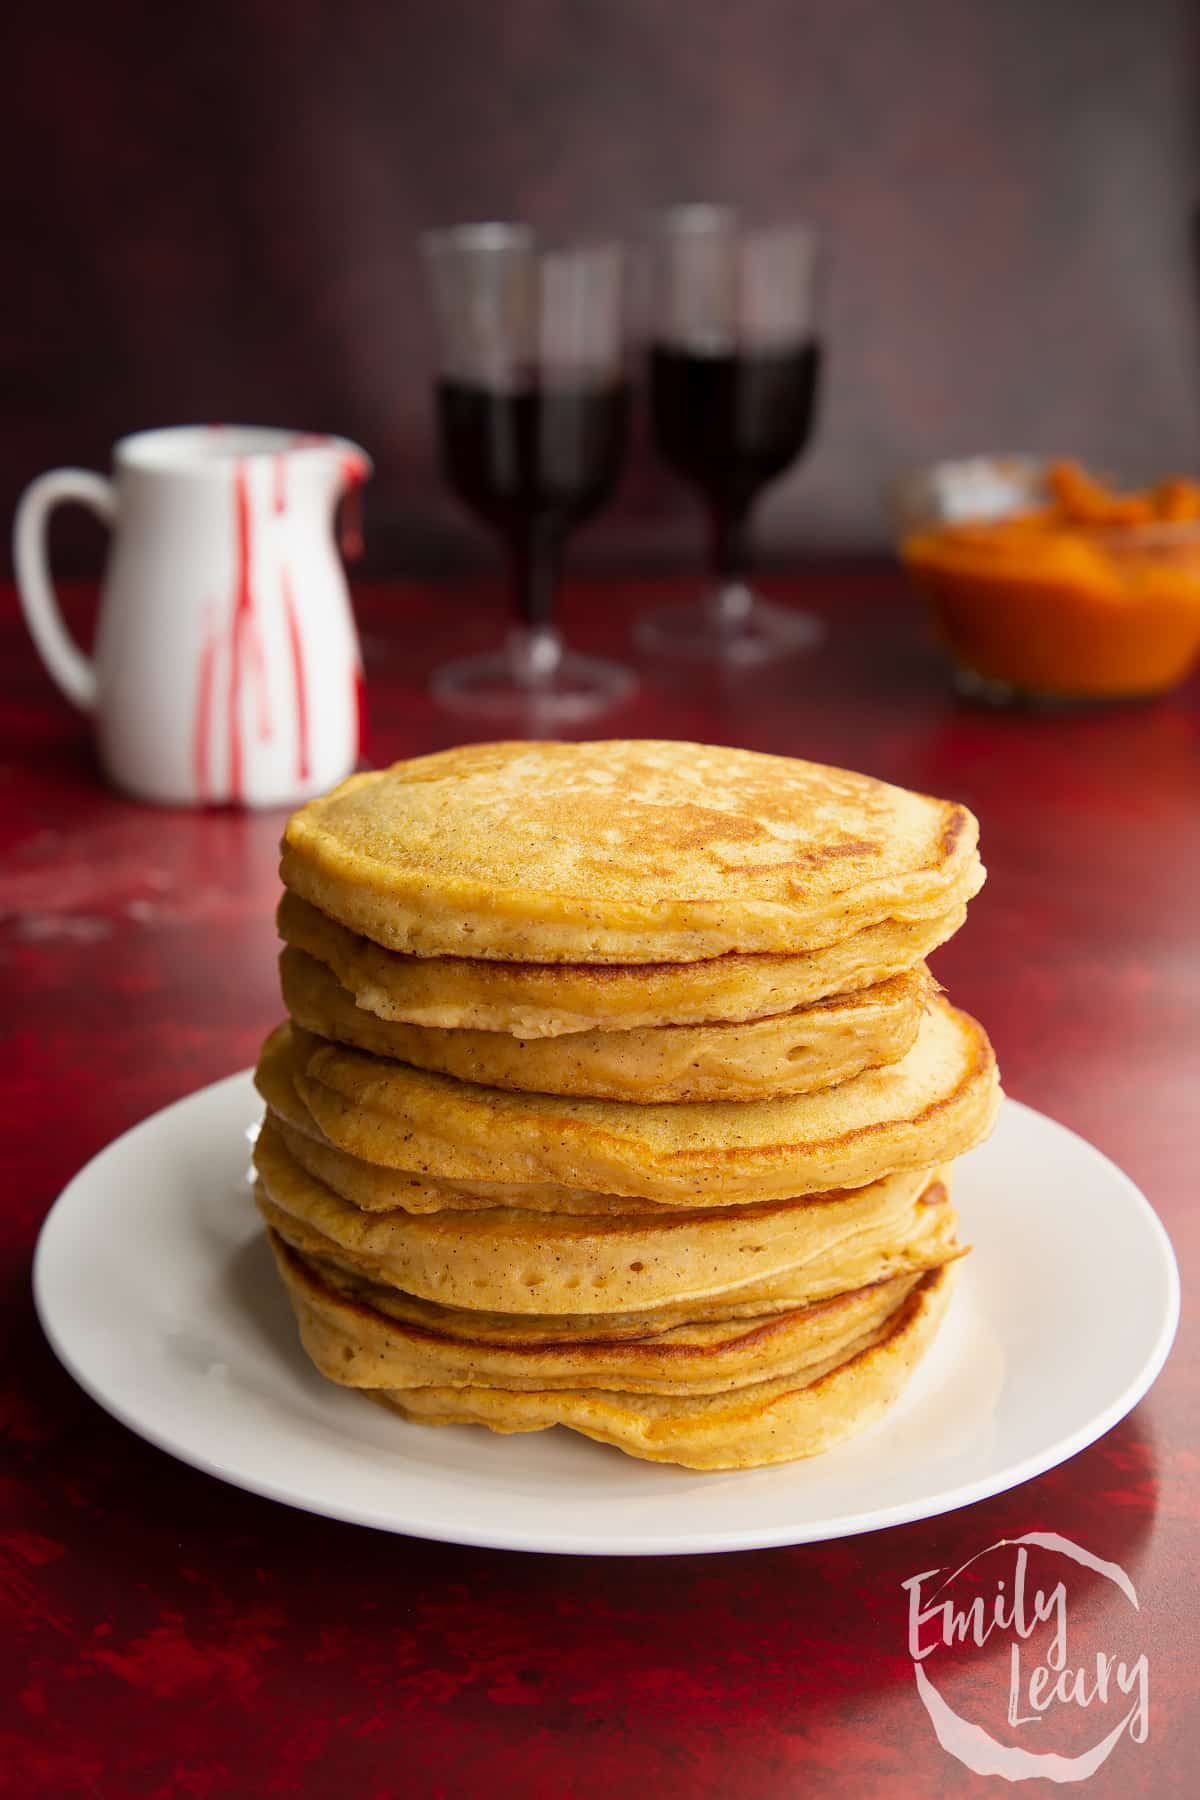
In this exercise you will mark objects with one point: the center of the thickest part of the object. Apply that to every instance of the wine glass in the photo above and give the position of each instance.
(734, 369)
(533, 413)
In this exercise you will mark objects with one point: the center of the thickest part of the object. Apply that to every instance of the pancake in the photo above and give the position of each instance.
(375, 1188)
(623, 852)
(929, 1107)
(789, 1053)
(931, 1240)
(751, 1427)
(759, 1300)
(357, 1338)
(552, 999)
(505, 1260)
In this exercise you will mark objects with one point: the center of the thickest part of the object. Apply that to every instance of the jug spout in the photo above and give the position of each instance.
(353, 468)
(348, 464)
(345, 467)
(354, 465)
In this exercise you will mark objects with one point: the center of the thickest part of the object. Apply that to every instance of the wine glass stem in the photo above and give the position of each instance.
(537, 561)
(731, 599)
(534, 646)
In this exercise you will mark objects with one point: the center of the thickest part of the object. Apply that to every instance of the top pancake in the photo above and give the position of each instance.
(623, 852)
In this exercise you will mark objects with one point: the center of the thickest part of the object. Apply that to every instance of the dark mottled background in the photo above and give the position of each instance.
(212, 208)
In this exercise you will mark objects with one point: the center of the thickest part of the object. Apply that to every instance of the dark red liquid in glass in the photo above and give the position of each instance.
(533, 457)
(732, 421)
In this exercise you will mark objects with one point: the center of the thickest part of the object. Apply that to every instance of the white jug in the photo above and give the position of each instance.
(227, 667)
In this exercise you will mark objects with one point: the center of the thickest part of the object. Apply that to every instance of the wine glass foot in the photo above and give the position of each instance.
(539, 686)
(737, 630)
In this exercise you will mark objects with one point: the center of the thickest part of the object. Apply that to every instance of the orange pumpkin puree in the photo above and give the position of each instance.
(1095, 595)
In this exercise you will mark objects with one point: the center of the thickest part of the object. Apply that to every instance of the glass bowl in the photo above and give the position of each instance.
(1036, 606)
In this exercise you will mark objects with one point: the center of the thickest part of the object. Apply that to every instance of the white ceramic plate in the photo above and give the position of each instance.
(157, 1291)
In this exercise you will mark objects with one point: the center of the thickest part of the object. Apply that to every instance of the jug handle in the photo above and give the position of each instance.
(74, 672)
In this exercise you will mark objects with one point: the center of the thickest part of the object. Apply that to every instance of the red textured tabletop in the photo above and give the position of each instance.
(167, 1635)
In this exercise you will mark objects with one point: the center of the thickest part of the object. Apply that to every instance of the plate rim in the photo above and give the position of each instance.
(568, 1543)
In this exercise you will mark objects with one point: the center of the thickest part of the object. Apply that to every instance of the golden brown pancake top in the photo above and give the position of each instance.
(623, 851)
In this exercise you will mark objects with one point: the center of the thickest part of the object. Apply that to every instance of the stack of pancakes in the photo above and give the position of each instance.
(616, 1093)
